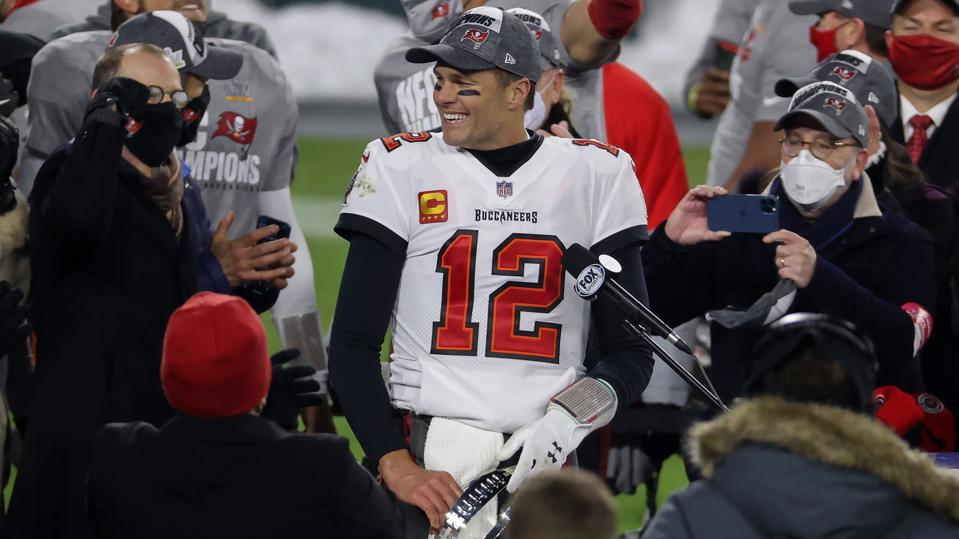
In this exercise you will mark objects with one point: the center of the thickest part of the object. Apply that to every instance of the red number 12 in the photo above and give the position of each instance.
(456, 334)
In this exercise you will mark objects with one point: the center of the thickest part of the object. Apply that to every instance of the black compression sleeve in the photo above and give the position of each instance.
(371, 279)
(625, 363)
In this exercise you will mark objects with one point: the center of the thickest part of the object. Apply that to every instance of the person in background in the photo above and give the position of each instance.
(706, 87)
(900, 187)
(569, 504)
(241, 159)
(837, 252)
(804, 444)
(859, 26)
(113, 13)
(637, 120)
(111, 258)
(776, 45)
(218, 468)
(923, 43)
(41, 18)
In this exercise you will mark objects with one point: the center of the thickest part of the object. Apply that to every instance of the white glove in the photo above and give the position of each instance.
(549, 440)
(546, 443)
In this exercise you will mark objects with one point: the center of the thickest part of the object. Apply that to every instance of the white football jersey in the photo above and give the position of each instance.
(486, 320)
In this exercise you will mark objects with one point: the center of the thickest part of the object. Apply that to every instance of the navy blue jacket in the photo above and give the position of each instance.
(864, 274)
(209, 274)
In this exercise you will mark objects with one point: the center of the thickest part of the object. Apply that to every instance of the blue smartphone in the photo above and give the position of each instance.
(758, 214)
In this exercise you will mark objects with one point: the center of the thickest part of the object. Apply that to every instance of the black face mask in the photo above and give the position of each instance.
(192, 114)
(153, 131)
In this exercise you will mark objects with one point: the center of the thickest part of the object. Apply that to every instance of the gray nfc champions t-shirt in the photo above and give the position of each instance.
(244, 145)
(775, 46)
(405, 90)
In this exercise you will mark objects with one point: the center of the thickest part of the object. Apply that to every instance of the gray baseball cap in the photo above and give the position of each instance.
(484, 38)
(870, 81)
(899, 4)
(874, 12)
(175, 34)
(543, 34)
(833, 106)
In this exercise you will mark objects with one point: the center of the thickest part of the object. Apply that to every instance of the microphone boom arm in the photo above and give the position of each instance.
(639, 332)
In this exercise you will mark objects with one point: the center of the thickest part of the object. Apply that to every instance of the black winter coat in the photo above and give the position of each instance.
(107, 271)
(237, 477)
(864, 275)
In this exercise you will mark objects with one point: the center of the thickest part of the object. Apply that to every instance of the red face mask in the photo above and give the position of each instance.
(824, 41)
(923, 61)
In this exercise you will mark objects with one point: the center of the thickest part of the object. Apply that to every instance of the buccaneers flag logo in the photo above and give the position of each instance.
(237, 128)
(476, 36)
(441, 10)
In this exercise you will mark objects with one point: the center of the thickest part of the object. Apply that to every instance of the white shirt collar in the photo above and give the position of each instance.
(937, 113)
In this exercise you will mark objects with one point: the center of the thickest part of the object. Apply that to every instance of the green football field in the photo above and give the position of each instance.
(324, 170)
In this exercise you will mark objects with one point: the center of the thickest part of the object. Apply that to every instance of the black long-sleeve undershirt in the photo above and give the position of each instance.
(367, 294)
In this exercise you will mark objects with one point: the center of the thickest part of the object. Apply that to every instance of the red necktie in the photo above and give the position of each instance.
(919, 123)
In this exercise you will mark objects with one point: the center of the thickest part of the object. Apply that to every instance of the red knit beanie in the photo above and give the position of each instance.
(215, 359)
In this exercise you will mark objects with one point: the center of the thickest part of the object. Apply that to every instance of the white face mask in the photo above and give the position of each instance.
(534, 117)
(809, 182)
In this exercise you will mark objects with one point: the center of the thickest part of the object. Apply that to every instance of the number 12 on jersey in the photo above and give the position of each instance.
(457, 334)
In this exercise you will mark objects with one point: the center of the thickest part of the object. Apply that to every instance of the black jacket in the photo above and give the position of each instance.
(940, 166)
(237, 477)
(107, 273)
(779, 469)
(939, 161)
(865, 274)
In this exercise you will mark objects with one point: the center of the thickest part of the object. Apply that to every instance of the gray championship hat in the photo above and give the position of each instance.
(833, 106)
(870, 81)
(175, 34)
(543, 34)
(484, 38)
(874, 12)
(899, 4)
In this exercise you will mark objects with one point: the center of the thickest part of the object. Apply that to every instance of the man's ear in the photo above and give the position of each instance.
(861, 159)
(856, 32)
(518, 92)
(128, 6)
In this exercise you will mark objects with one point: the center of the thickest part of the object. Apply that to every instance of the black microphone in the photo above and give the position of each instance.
(593, 277)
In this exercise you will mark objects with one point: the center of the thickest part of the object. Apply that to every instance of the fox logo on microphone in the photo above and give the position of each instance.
(589, 281)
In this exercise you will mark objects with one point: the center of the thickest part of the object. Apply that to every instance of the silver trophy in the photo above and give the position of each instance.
(476, 495)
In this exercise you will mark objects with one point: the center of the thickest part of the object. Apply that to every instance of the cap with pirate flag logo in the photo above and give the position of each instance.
(543, 34)
(870, 81)
(484, 38)
(175, 34)
(833, 106)
(874, 12)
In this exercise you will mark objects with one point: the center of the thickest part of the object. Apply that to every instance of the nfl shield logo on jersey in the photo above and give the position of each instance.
(504, 189)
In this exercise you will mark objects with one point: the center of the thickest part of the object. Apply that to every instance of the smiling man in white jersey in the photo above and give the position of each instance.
(459, 236)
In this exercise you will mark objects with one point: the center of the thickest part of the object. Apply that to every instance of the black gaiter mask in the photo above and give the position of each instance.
(153, 131)
(192, 114)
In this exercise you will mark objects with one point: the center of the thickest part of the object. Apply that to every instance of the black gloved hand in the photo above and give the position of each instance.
(9, 146)
(9, 98)
(291, 388)
(13, 330)
(119, 93)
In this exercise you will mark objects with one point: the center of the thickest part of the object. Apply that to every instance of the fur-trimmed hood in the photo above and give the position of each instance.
(831, 436)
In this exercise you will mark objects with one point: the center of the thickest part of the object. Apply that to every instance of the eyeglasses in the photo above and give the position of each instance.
(820, 147)
(178, 97)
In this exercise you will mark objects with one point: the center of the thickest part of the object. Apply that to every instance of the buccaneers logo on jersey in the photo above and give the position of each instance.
(236, 127)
